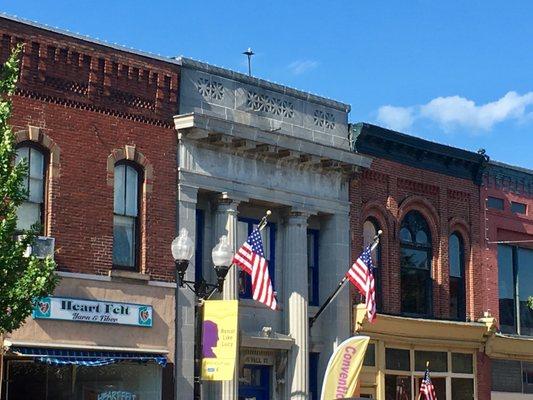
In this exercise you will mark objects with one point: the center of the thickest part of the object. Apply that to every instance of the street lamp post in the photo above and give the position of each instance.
(183, 250)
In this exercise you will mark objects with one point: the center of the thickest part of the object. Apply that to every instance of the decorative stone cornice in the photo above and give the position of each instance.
(253, 142)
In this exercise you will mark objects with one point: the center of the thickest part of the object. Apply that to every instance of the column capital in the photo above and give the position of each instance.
(297, 217)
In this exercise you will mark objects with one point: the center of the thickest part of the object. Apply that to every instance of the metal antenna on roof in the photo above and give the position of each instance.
(249, 53)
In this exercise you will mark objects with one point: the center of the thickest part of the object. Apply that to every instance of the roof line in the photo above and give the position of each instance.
(89, 39)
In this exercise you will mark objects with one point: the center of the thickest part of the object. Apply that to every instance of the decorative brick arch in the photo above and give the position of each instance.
(379, 212)
(36, 134)
(132, 154)
(427, 209)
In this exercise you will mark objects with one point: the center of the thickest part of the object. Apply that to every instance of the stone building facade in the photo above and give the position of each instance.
(82, 112)
(425, 197)
(245, 146)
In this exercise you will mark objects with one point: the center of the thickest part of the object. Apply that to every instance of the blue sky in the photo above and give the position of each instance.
(455, 72)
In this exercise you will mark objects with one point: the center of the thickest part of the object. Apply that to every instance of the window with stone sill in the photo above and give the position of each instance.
(415, 261)
(456, 258)
(127, 195)
(31, 211)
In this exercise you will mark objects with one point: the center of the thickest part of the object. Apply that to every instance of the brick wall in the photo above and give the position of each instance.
(387, 192)
(92, 105)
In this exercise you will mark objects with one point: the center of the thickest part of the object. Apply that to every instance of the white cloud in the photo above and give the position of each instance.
(298, 67)
(457, 111)
(397, 118)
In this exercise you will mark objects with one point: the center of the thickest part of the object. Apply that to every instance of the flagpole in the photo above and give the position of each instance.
(340, 285)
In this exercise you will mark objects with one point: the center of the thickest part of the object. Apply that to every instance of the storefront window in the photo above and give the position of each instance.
(124, 381)
(462, 389)
(397, 387)
(450, 373)
(437, 359)
(438, 383)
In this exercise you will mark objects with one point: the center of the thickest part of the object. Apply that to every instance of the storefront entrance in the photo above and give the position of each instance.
(254, 383)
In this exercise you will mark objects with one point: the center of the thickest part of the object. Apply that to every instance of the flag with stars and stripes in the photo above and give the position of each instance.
(251, 259)
(362, 277)
(427, 390)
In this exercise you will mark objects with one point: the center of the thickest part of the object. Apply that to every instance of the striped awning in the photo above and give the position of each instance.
(88, 358)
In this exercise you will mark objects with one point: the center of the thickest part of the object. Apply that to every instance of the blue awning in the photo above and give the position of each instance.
(88, 358)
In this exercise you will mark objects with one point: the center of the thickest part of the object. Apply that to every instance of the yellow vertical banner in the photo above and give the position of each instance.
(344, 366)
(219, 339)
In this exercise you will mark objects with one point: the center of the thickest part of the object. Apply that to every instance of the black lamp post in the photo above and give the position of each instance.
(183, 251)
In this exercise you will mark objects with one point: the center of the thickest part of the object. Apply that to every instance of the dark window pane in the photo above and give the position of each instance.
(414, 258)
(415, 297)
(421, 237)
(454, 254)
(462, 363)
(438, 361)
(397, 359)
(495, 202)
(506, 376)
(397, 387)
(462, 389)
(370, 355)
(518, 208)
(405, 235)
(438, 383)
(312, 267)
(313, 376)
(527, 377)
(525, 289)
(457, 284)
(124, 241)
(506, 289)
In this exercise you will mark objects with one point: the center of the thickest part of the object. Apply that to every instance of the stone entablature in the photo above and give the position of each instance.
(268, 106)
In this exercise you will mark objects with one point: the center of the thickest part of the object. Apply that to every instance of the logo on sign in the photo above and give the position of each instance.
(145, 317)
(42, 309)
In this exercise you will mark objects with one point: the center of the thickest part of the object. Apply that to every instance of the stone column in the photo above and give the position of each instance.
(334, 261)
(185, 302)
(225, 223)
(295, 306)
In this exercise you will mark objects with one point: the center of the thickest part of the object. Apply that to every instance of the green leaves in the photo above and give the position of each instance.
(22, 279)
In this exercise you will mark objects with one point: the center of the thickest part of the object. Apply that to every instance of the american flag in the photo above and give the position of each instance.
(427, 390)
(251, 259)
(362, 277)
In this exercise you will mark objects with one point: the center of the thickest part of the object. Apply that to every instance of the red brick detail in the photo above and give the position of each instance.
(398, 189)
(71, 72)
(94, 102)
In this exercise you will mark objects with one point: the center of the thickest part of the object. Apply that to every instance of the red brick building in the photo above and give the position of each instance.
(95, 123)
(507, 196)
(425, 197)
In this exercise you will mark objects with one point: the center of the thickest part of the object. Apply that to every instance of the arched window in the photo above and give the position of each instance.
(370, 230)
(415, 246)
(126, 215)
(31, 212)
(457, 276)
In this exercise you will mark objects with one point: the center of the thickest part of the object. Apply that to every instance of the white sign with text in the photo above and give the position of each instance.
(102, 312)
